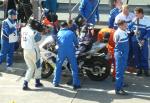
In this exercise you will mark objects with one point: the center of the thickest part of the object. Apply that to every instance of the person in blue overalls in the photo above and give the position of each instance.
(66, 42)
(8, 38)
(140, 41)
(121, 55)
(114, 12)
(86, 8)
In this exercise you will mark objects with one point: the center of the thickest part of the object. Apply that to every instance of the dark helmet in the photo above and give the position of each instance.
(34, 24)
(52, 17)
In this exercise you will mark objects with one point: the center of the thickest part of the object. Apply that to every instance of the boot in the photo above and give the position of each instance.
(25, 86)
(139, 72)
(38, 83)
(121, 92)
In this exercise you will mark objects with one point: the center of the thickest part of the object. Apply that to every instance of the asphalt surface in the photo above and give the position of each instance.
(91, 91)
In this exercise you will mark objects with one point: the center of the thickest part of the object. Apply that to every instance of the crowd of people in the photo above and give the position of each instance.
(128, 36)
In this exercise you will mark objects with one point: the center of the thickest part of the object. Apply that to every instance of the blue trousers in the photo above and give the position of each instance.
(7, 51)
(140, 55)
(62, 55)
(121, 64)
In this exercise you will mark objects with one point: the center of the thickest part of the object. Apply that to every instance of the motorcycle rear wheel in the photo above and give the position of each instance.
(100, 71)
(47, 69)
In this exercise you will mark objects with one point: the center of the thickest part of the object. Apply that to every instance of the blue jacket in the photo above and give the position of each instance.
(66, 40)
(113, 13)
(86, 7)
(6, 29)
(144, 28)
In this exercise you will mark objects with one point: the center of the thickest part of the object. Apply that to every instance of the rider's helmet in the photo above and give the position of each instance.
(35, 24)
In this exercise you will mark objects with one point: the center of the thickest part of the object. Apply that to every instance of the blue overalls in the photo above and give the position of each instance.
(7, 49)
(66, 41)
(141, 53)
(113, 13)
(86, 7)
(121, 55)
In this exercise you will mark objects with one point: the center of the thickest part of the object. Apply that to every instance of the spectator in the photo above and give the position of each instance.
(140, 41)
(66, 41)
(127, 17)
(121, 55)
(114, 12)
(29, 38)
(124, 15)
(87, 7)
(8, 38)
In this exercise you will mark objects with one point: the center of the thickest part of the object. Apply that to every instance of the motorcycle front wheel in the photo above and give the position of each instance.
(100, 70)
(47, 69)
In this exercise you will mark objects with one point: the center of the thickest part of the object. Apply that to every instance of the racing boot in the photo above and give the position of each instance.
(25, 86)
(38, 83)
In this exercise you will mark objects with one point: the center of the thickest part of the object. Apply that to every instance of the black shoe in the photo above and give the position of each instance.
(121, 92)
(38, 85)
(56, 85)
(26, 88)
(139, 72)
(75, 87)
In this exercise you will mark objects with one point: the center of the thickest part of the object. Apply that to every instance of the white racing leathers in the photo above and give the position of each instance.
(29, 39)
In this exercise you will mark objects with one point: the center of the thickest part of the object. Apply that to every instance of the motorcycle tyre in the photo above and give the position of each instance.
(50, 70)
(101, 63)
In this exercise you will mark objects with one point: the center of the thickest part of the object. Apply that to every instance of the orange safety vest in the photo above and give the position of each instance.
(48, 23)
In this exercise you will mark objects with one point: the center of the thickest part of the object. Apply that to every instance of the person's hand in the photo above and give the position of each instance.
(135, 19)
(142, 42)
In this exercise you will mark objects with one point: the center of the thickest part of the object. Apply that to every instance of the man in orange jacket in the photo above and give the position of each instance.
(106, 35)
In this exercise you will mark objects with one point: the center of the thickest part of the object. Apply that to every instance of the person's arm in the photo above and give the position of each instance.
(75, 40)
(37, 37)
(97, 13)
(147, 35)
(116, 37)
(82, 8)
(111, 20)
(115, 23)
(6, 29)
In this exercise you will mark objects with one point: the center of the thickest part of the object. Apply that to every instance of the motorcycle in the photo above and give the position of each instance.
(91, 59)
